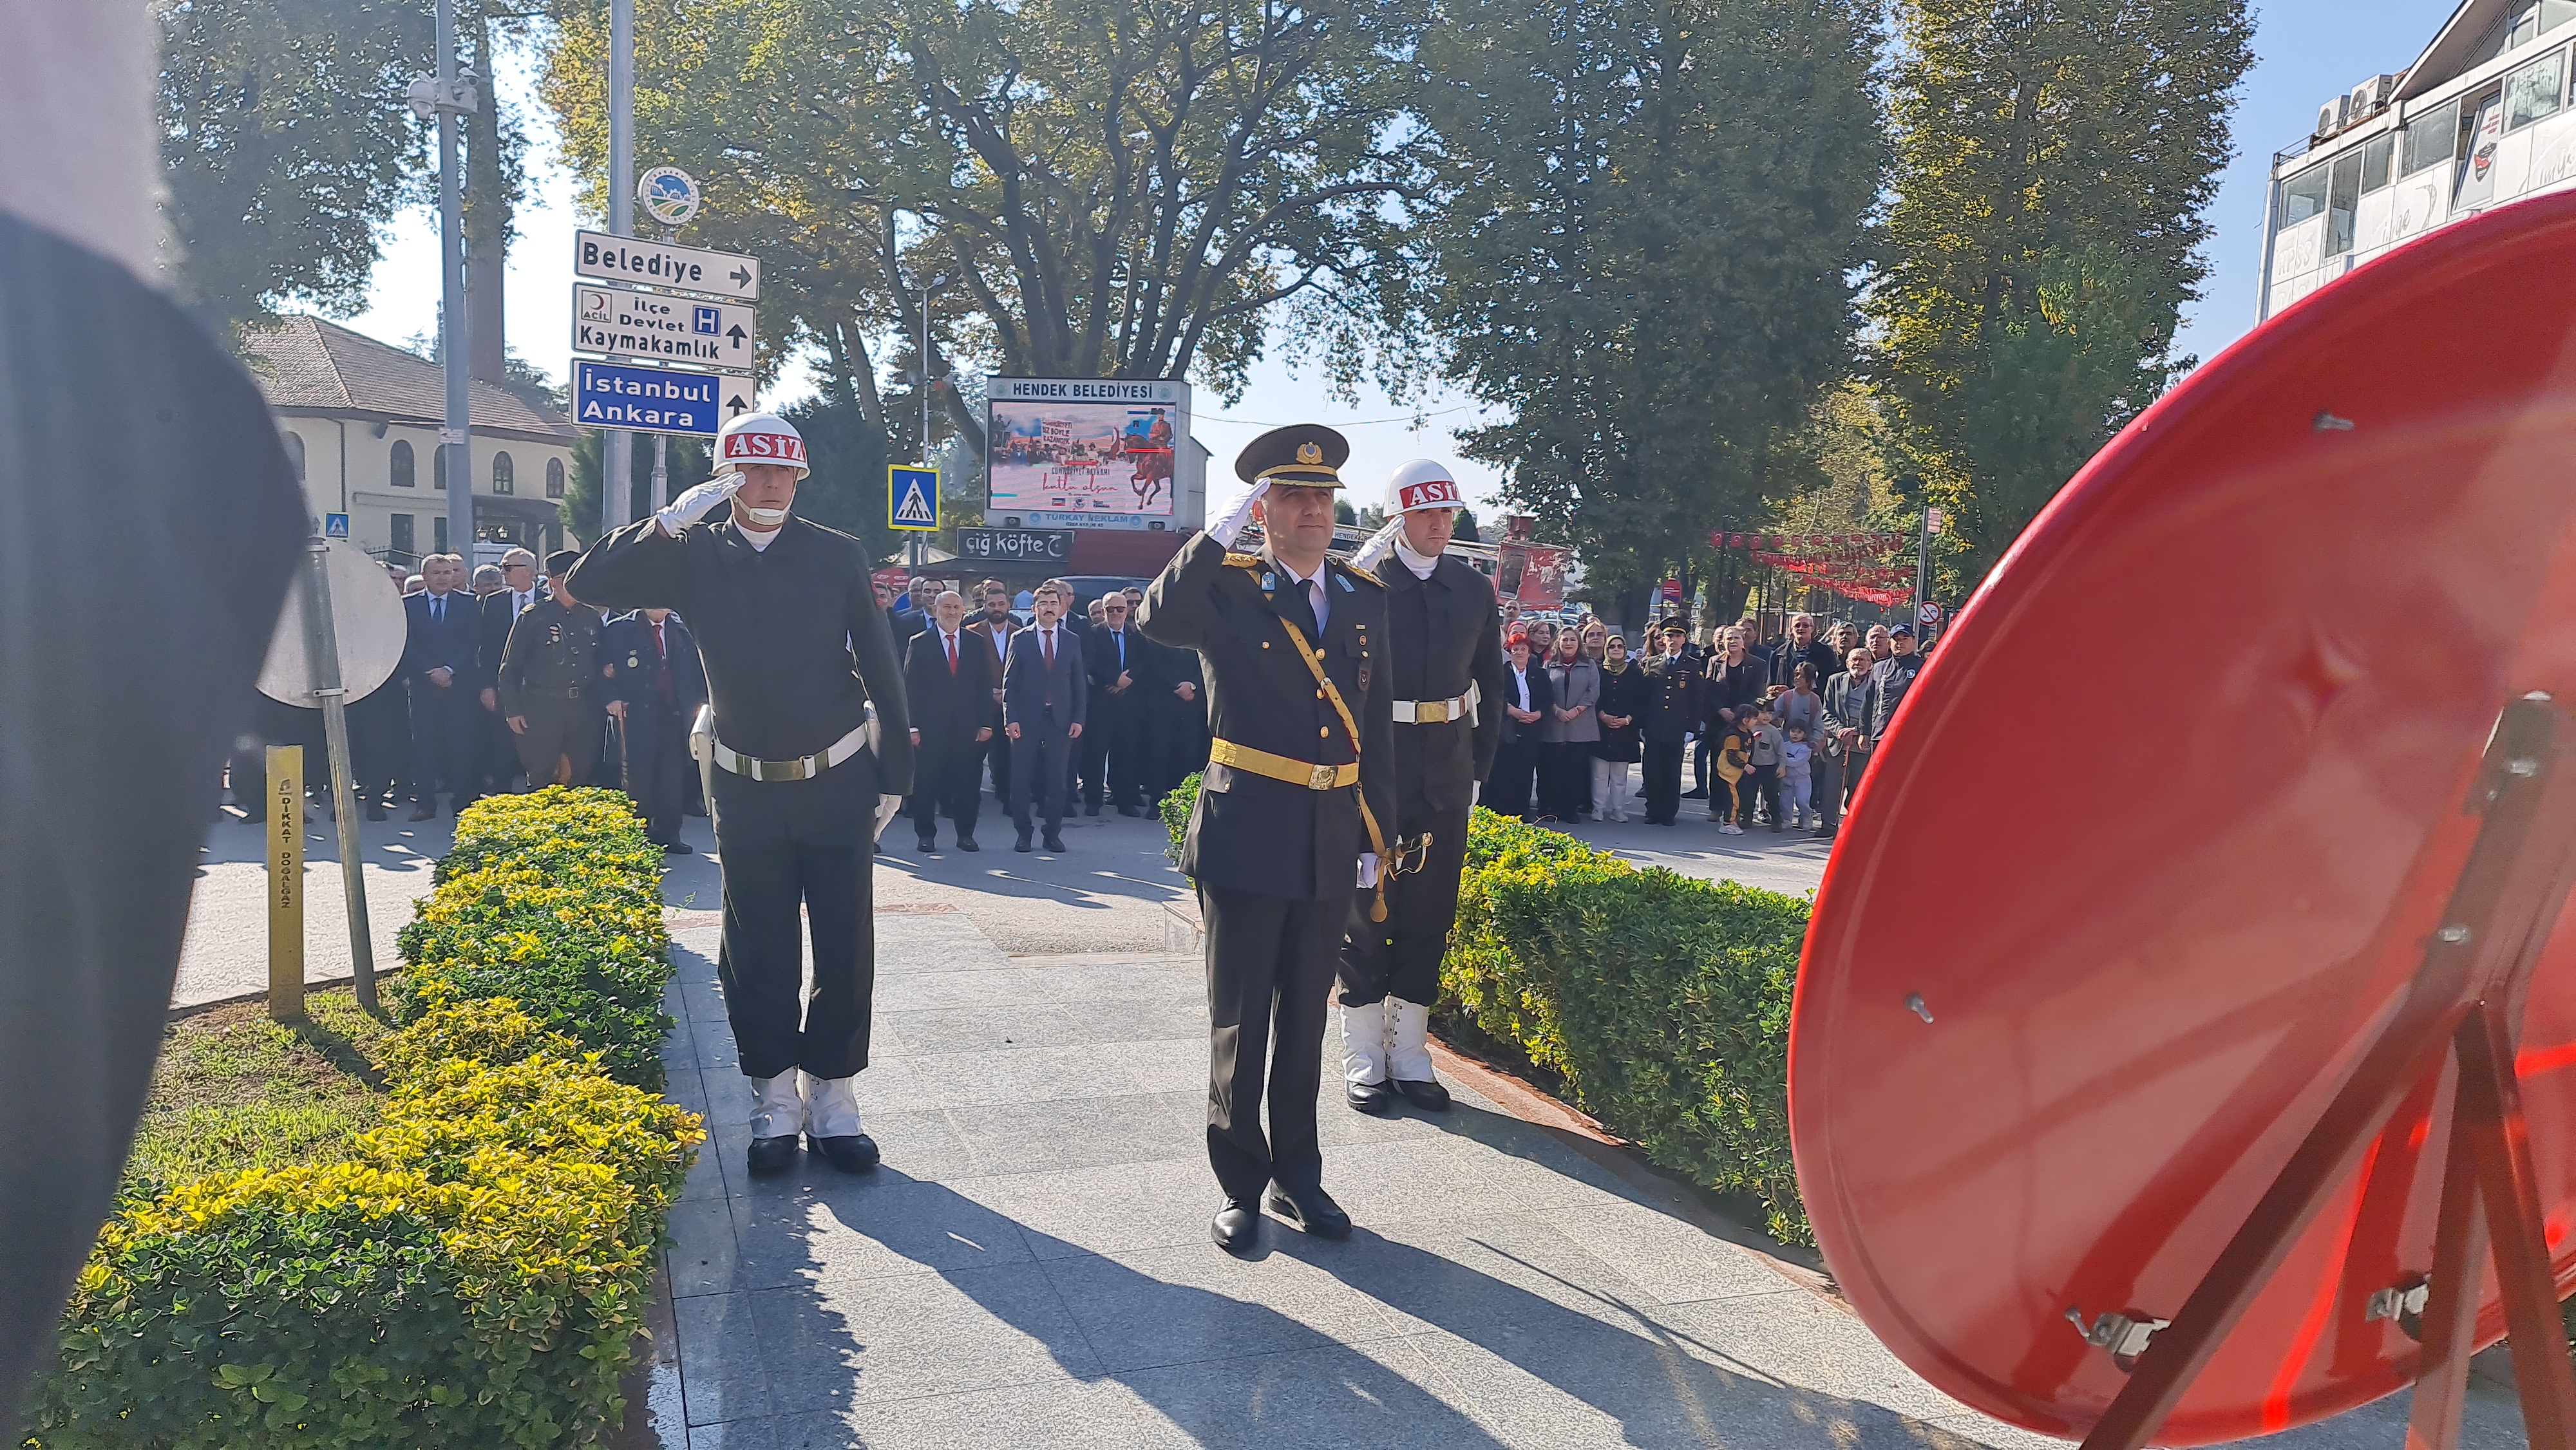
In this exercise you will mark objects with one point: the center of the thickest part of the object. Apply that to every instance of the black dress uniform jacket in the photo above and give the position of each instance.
(762, 617)
(1248, 832)
(1442, 634)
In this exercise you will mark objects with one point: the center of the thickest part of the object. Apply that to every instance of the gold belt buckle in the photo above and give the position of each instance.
(1431, 712)
(1323, 777)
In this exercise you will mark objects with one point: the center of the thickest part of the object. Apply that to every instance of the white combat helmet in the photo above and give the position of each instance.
(760, 438)
(1421, 484)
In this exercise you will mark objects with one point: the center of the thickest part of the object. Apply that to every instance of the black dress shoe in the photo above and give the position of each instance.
(1022, 844)
(928, 843)
(856, 1153)
(770, 1157)
(424, 813)
(376, 811)
(1373, 1098)
(967, 843)
(1311, 1209)
(1131, 810)
(1694, 795)
(1237, 1225)
(1091, 808)
(1430, 1097)
(679, 848)
(1055, 843)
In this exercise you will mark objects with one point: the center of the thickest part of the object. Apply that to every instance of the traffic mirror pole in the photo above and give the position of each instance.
(322, 656)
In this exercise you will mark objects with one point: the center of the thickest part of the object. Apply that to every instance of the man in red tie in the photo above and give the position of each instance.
(655, 686)
(1045, 700)
(950, 677)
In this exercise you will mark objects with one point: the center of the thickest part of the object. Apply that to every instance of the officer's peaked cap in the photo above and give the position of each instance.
(1302, 455)
(560, 562)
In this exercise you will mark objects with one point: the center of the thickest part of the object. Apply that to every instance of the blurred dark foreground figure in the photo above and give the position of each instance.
(122, 420)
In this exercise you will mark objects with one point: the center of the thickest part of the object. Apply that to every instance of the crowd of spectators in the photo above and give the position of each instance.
(1777, 733)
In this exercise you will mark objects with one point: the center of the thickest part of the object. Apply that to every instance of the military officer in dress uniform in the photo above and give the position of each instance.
(1290, 822)
(1441, 661)
(795, 650)
(549, 684)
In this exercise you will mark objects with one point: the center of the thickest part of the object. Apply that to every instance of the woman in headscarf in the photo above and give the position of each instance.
(1623, 700)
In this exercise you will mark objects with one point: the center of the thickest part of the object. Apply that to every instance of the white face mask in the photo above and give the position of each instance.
(766, 518)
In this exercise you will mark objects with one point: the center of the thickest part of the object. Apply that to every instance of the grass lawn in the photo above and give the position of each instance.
(234, 1090)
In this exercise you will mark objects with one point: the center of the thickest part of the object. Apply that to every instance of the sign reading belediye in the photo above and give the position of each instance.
(647, 400)
(605, 258)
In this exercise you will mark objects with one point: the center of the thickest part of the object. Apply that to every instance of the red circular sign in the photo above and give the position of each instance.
(2109, 924)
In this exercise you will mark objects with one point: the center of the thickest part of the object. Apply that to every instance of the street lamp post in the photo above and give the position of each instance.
(616, 451)
(454, 97)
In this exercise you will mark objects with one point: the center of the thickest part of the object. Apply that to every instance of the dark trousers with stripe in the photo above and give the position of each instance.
(1270, 966)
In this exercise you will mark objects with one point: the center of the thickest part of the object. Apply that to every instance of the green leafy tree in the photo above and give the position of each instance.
(2056, 160)
(1648, 222)
(1089, 188)
(847, 488)
(284, 144)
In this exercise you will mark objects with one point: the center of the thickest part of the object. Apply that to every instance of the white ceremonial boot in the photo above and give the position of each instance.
(1364, 1058)
(1409, 1055)
(832, 1123)
(777, 1118)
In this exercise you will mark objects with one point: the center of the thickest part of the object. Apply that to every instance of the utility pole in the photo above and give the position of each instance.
(1923, 562)
(456, 440)
(616, 451)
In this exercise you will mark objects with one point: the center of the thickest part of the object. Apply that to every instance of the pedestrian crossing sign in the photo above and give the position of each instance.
(912, 499)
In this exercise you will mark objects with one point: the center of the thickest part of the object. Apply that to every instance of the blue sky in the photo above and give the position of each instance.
(2306, 51)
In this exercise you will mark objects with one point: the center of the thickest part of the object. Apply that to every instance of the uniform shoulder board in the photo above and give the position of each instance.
(1243, 561)
(1357, 572)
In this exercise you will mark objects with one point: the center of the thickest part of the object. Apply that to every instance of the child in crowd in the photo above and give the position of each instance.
(1762, 755)
(1797, 780)
(1726, 793)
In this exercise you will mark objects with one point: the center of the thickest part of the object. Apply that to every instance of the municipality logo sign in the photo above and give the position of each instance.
(912, 498)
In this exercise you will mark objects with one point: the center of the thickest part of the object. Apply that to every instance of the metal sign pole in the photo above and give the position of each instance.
(322, 657)
(455, 440)
(616, 454)
(661, 470)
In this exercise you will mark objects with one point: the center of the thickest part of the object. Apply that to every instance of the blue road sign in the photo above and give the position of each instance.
(335, 526)
(707, 321)
(649, 400)
(912, 499)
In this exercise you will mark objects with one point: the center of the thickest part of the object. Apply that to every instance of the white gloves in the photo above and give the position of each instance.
(1380, 544)
(1368, 869)
(887, 805)
(697, 503)
(1232, 529)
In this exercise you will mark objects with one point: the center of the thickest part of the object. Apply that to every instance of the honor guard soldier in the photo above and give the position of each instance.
(1287, 828)
(1442, 659)
(549, 683)
(795, 649)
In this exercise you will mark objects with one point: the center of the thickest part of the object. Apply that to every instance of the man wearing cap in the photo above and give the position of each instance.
(1442, 660)
(795, 649)
(548, 684)
(1293, 813)
(1672, 712)
(1889, 679)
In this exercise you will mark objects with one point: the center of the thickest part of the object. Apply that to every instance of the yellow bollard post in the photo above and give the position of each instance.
(286, 883)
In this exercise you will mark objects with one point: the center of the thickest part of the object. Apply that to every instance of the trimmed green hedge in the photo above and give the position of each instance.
(1662, 1000)
(475, 1273)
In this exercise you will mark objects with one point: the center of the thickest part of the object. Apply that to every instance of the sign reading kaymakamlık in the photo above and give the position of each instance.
(604, 258)
(659, 325)
(649, 400)
(1016, 546)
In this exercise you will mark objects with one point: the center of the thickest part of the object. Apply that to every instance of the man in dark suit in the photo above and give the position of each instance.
(655, 684)
(500, 609)
(948, 677)
(1043, 705)
(995, 628)
(1113, 739)
(1803, 647)
(442, 645)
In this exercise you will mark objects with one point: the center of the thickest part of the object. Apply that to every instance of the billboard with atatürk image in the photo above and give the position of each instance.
(1083, 445)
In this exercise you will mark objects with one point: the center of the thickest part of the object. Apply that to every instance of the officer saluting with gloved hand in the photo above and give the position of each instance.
(1287, 828)
(1443, 663)
(795, 649)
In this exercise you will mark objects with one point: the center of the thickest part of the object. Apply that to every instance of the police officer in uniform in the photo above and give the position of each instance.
(1290, 823)
(655, 686)
(549, 684)
(795, 650)
(1441, 662)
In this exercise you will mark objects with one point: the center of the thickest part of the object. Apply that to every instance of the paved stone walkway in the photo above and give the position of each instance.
(1030, 1267)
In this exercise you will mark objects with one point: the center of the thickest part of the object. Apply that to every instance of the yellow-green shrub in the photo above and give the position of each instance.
(474, 1275)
